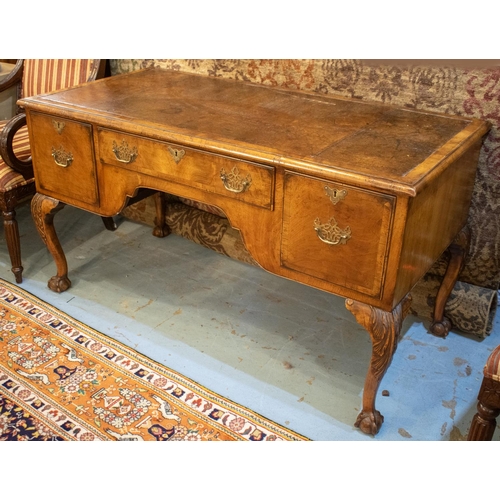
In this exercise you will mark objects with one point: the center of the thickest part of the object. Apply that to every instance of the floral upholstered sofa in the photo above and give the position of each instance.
(458, 88)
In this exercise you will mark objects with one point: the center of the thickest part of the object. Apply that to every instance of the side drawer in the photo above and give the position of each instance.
(64, 163)
(245, 181)
(336, 233)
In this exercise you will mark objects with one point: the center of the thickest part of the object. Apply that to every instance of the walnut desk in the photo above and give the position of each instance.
(354, 198)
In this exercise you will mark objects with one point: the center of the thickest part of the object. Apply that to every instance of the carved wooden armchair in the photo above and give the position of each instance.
(32, 77)
(488, 406)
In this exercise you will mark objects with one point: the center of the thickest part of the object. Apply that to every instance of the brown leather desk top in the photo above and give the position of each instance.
(273, 125)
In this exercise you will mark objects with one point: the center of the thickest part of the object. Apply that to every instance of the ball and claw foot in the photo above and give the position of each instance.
(161, 231)
(369, 422)
(441, 328)
(59, 284)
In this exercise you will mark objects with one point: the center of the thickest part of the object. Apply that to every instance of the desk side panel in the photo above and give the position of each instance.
(435, 216)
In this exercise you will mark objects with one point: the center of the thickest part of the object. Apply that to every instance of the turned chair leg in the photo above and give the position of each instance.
(488, 408)
(13, 243)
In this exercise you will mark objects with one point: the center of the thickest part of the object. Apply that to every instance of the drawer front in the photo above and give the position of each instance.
(336, 232)
(64, 161)
(248, 182)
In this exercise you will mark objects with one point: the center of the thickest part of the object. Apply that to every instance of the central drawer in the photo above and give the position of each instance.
(335, 232)
(249, 182)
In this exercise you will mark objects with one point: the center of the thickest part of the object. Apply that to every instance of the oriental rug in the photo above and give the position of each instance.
(61, 380)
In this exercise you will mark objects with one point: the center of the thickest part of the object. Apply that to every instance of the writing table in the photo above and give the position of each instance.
(354, 198)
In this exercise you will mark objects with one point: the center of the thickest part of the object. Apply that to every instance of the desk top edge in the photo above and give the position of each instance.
(104, 103)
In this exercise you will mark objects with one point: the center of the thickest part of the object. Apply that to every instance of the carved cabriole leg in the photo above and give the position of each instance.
(13, 242)
(161, 229)
(488, 408)
(384, 329)
(458, 250)
(43, 210)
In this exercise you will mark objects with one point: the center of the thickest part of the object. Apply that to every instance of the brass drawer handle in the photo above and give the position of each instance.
(61, 157)
(330, 233)
(177, 154)
(234, 182)
(124, 153)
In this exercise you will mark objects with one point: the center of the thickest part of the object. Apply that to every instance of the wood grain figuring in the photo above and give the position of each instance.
(269, 125)
(359, 262)
(78, 180)
(193, 168)
(434, 219)
(353, 198)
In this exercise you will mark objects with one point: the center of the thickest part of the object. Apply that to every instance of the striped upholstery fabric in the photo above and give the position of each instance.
(42, 76)
(492, 368)
(48, 75)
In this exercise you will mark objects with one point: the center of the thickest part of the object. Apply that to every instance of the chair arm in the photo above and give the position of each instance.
(13, 77)
(24, 167)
